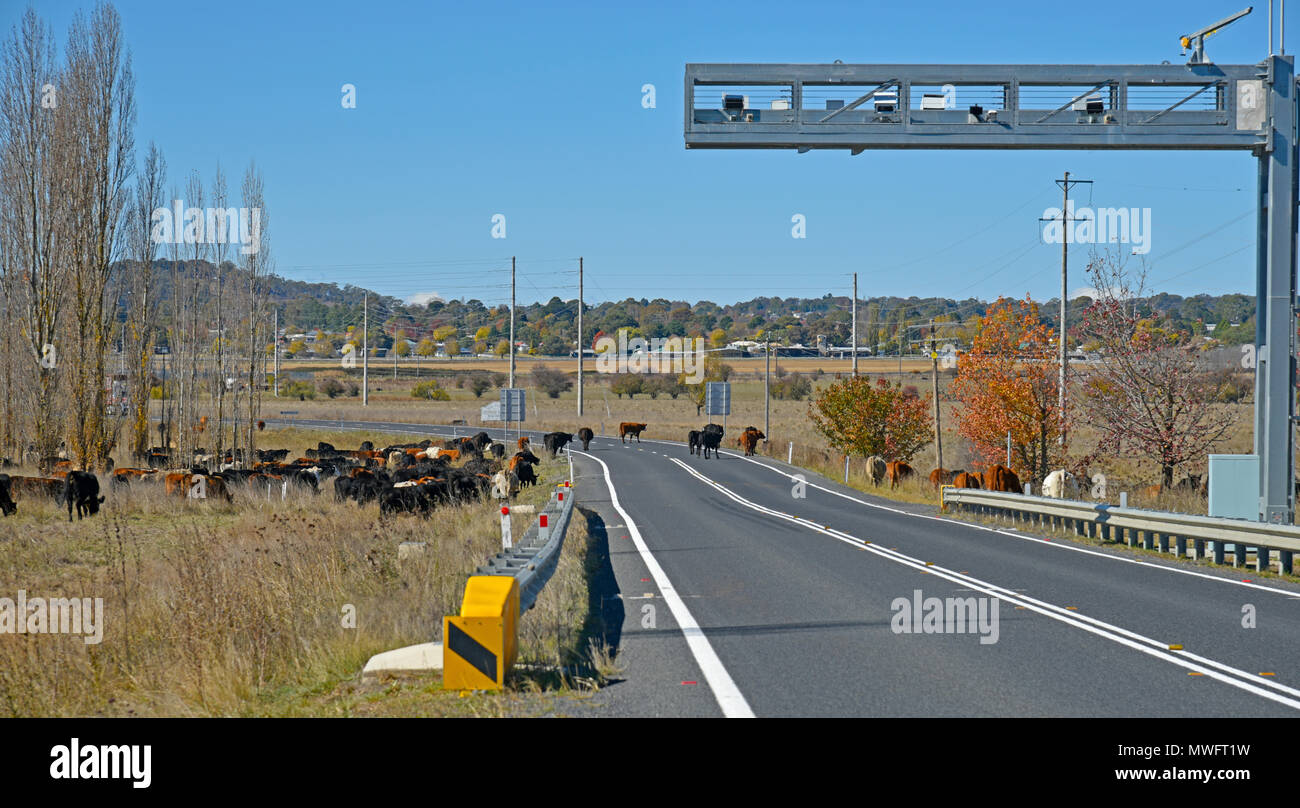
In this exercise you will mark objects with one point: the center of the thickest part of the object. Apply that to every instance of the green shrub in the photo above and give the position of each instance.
(431, 391)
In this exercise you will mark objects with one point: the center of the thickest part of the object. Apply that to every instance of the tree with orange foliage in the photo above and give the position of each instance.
(1007, 382)
(861, 420)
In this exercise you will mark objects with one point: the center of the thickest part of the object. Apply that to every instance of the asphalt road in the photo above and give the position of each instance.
(735, 589)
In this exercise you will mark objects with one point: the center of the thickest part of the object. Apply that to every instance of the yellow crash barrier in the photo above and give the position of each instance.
(480, 645)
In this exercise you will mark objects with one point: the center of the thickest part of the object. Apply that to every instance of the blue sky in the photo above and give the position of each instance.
(534, 111)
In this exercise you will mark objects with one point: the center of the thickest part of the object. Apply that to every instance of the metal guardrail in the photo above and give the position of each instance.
(533, 559)
(1136, 526)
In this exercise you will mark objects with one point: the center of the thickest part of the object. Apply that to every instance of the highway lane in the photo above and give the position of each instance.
(1048, 660)
(799, 618)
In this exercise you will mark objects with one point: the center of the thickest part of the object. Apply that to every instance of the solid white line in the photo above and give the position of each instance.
(729, 697)
(1100, 628)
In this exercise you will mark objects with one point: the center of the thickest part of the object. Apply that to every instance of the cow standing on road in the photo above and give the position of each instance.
(635, 430)
(710, 439)
(749, 440)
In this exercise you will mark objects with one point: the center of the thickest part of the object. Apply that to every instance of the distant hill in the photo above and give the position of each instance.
(884, 323)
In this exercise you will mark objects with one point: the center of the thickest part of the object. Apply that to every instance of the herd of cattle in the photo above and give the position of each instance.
(403, 478)
(417, 477)
(706, 440)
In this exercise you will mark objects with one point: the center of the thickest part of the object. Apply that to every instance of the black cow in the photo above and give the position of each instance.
(555, 441)
(585, 435)
(6, 499)
(360, 489)
(526, 475)
(81, 488)
(403, 499)
(693, 441)
(498, 450)
(482, 440)
(710, 438)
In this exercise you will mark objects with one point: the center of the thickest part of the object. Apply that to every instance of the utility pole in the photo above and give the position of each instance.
(512, 322)
(934, 364)
(394, 350)
(275, 355)
(365, 350)
(767, 398)
(1066, 220)
(855, 324)
(580, 345)
(1065, 254)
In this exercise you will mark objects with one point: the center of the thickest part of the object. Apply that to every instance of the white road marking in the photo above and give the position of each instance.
(729, 697)
(1116, 634)
(1024, 537)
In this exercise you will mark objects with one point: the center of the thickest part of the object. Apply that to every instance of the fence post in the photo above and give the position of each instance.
(506, 541)
(543, 530)
(789, 455)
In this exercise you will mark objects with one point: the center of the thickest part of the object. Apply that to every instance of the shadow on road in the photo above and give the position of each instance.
(604, 607)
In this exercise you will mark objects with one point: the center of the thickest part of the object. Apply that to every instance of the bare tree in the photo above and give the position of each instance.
(141, 320)
(193, 332)
(1149, 396)
(35, 152)
(217, 229)
(100, 103)
(257, 263)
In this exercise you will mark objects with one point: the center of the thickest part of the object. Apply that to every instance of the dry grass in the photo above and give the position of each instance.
(214, 609)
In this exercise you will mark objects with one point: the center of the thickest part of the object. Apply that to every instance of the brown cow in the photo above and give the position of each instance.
(176, 482)
(1000, 478)
(198, 486)
(35, 487)
(896, 471)
(523, 443)
(940, 477)
(129, 475)
(635, 430)
(749, 440)
(963, 479)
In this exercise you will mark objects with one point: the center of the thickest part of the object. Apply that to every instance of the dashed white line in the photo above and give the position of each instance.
(1117, 634)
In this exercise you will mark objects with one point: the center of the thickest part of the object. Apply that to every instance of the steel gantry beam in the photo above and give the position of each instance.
(1166, 107)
